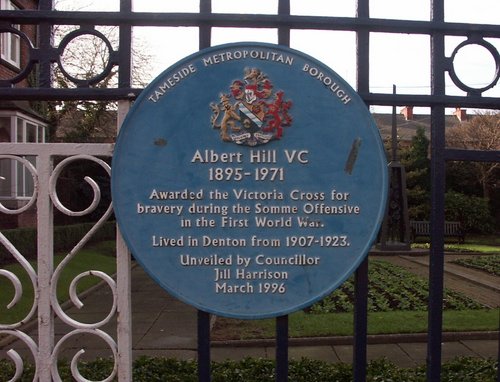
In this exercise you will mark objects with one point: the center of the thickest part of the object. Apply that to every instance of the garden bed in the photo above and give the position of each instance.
(488, 263)
(391, 288)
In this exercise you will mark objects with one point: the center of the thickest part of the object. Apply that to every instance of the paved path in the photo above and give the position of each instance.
(163, 326)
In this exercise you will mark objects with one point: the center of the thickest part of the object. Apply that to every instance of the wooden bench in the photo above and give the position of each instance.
(423, 228)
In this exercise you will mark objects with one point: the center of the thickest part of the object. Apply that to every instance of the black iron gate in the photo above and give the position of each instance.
(43, 55)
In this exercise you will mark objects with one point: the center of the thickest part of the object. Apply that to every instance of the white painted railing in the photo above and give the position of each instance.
(45, 350)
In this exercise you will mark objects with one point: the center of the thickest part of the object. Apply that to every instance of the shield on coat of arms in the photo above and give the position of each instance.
(251, 113)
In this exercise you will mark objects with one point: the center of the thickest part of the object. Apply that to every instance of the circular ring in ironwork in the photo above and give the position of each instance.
(98, 77)
(496, 57)
(29, 63)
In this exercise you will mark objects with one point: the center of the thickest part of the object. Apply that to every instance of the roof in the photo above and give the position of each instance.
(407, 129)
(22, 106)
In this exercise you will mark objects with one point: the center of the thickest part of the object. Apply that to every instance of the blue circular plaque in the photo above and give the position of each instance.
(249, 180)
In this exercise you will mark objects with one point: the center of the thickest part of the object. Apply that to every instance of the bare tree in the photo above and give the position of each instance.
(84, 58)
(482, 132)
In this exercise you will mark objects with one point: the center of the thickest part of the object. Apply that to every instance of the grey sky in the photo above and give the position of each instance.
(397, 59)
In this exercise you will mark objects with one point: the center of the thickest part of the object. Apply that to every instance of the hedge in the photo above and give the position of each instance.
(65, 238)
(262, 370)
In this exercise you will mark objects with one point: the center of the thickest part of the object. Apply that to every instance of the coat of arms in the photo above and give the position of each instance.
(252, 113)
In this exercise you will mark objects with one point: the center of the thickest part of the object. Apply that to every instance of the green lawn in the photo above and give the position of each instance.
(94, 258)
(473, 247)
(341, 324)
(391, 322)
(473, 243)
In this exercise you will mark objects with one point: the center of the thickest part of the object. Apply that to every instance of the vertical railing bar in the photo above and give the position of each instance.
(125, 51)
(45, 70)
(436, 261)
(282, 349)
(123, 289)
(498, 358)
(282, 321)
(45, 245)
(203, 346)
(205, 30)
(360, 321)
(363, 50)
(205, 41)
(284, 32)
(124, 310)
(361, 275)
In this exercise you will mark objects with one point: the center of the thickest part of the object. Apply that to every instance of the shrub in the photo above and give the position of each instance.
(472, 211)
(263, 370)
(65, 238)
(23, 239)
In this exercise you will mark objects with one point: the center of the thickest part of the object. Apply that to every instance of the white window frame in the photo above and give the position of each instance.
(20, 185)
(10, 42)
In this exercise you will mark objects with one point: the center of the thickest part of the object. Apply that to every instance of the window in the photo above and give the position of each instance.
(16, 181)
(10, 43)
(5, 165)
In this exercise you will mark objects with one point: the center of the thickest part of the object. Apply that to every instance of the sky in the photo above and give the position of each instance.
(408, 69)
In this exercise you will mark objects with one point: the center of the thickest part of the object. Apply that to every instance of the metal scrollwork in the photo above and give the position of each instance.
(18, 288)
(28, 268)
(95, 202)
(74, 361)
(16, 358)
(81, 328)
(95, 188)
(10, 329)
